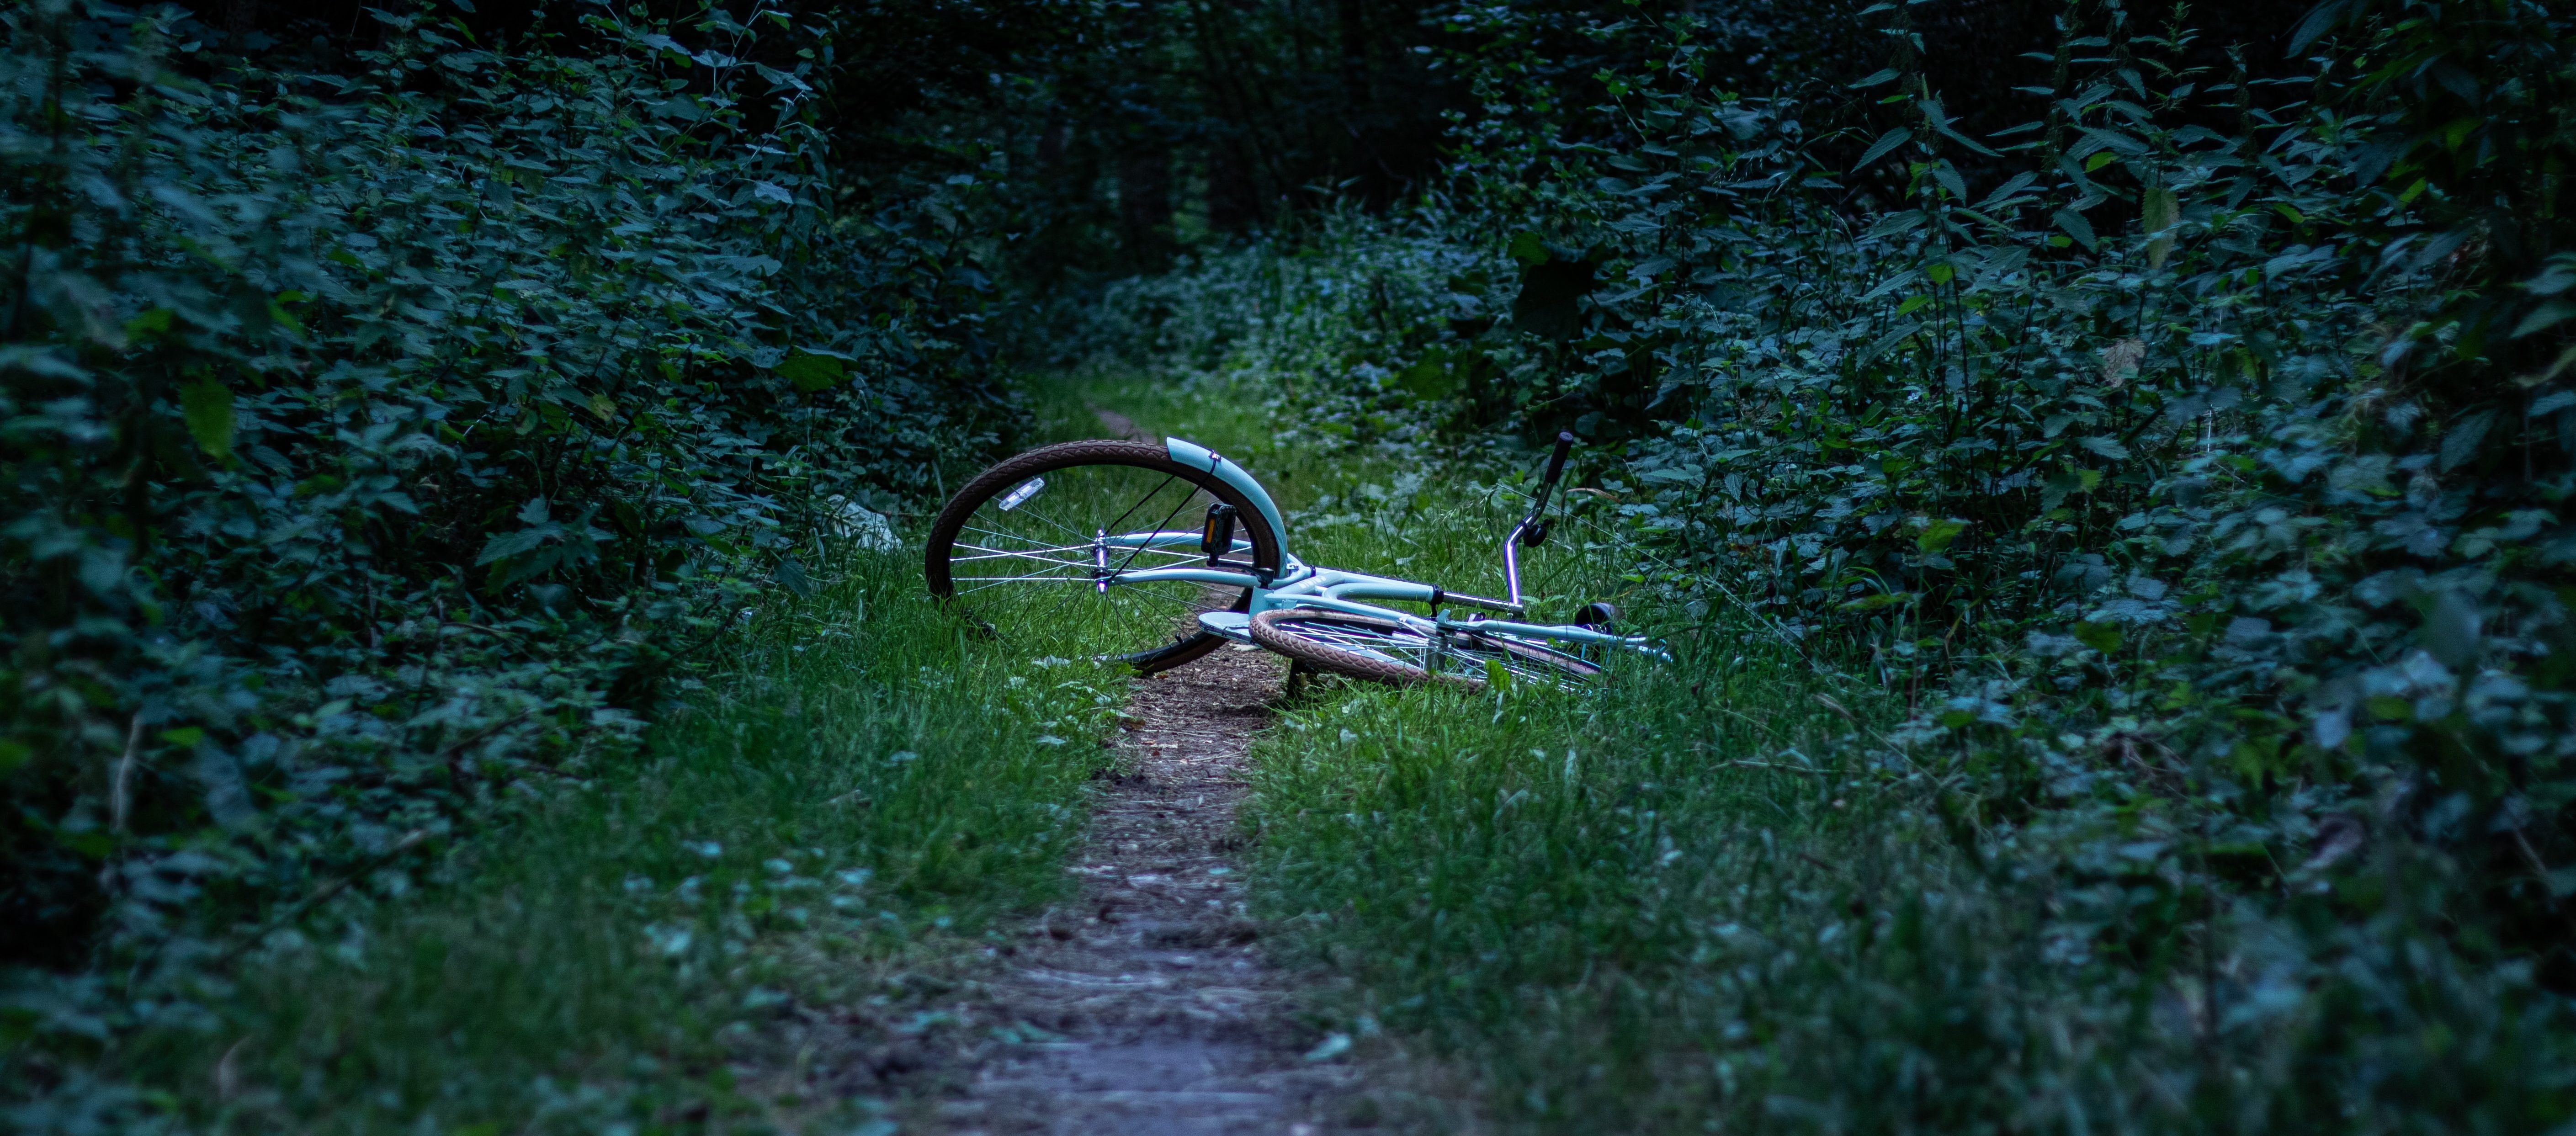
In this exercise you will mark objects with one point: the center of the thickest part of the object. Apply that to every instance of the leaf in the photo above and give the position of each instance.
(1882, 599)
(2451, 630)
(1939, 534)
(1429, 379)
(2461, 442)
(766, 191)
(149, 325)
(1548, 301)
(2317, 24)
(208, 407)
(535, 512)
(2103, 637)
(2159, 212)
(2019, 182)
(1886, 142)
(1953, 135)
(2077, 227)
(1882, 75)
(810, 372)
(2544, 317)
(791, 576)
(1527, 248)
(2108, 447)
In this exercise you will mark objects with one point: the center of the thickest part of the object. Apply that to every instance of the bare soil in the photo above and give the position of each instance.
(1165, 1018)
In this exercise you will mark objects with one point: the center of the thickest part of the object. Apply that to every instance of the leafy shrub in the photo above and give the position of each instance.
(378, 439)
(2190, 462)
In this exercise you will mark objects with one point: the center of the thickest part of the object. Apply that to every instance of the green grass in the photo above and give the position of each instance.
(857, 796)
(1644, 908)
(1681, 902)
(1715, 896)
(833, 821)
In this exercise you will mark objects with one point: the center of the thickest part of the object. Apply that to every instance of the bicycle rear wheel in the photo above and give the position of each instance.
(1382, 650)
(1033, 548)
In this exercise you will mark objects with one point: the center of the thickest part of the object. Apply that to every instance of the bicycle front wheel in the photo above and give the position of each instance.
(1041, 552)
(1382, 650)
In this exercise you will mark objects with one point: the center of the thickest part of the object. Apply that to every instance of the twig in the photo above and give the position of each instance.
(297, 909)
(2540, 873)
(447, 754)
(120, 795)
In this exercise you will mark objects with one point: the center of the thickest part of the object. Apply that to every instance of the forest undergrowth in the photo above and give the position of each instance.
(2140, 530)
(750, 924)
(2102, 467)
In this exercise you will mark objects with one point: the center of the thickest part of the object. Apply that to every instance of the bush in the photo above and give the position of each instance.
(377, 438)
(2189, 462)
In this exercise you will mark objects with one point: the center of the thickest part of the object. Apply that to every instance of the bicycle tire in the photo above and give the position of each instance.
(940, 558)
(1375, 649)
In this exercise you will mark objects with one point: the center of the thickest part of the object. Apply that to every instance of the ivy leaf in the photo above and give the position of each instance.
(208, 407)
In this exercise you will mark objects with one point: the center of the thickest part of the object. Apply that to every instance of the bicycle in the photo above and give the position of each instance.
(1054, 545)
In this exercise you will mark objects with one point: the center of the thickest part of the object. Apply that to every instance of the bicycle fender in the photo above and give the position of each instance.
(1232, 473)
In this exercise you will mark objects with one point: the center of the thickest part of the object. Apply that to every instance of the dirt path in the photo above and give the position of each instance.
(1168, 1021)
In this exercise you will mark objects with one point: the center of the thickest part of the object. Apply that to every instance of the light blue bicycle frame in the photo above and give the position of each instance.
(1300, 585)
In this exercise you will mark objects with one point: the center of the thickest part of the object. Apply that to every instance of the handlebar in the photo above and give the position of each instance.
(1534, 529)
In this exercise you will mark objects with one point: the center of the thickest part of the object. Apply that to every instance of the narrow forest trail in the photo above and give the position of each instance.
(1166, 1020)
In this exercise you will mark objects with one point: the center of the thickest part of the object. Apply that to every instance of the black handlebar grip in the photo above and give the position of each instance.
(1556, 461)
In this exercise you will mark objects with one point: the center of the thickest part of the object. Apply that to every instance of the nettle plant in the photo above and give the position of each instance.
(2194, 456)
(378, 440)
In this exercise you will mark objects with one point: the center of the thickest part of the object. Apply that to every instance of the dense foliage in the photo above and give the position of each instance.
(377, 439)
(2167, 411)
(2190, 461)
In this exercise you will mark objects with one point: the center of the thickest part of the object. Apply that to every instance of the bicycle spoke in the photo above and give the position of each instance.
(1052, 572)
